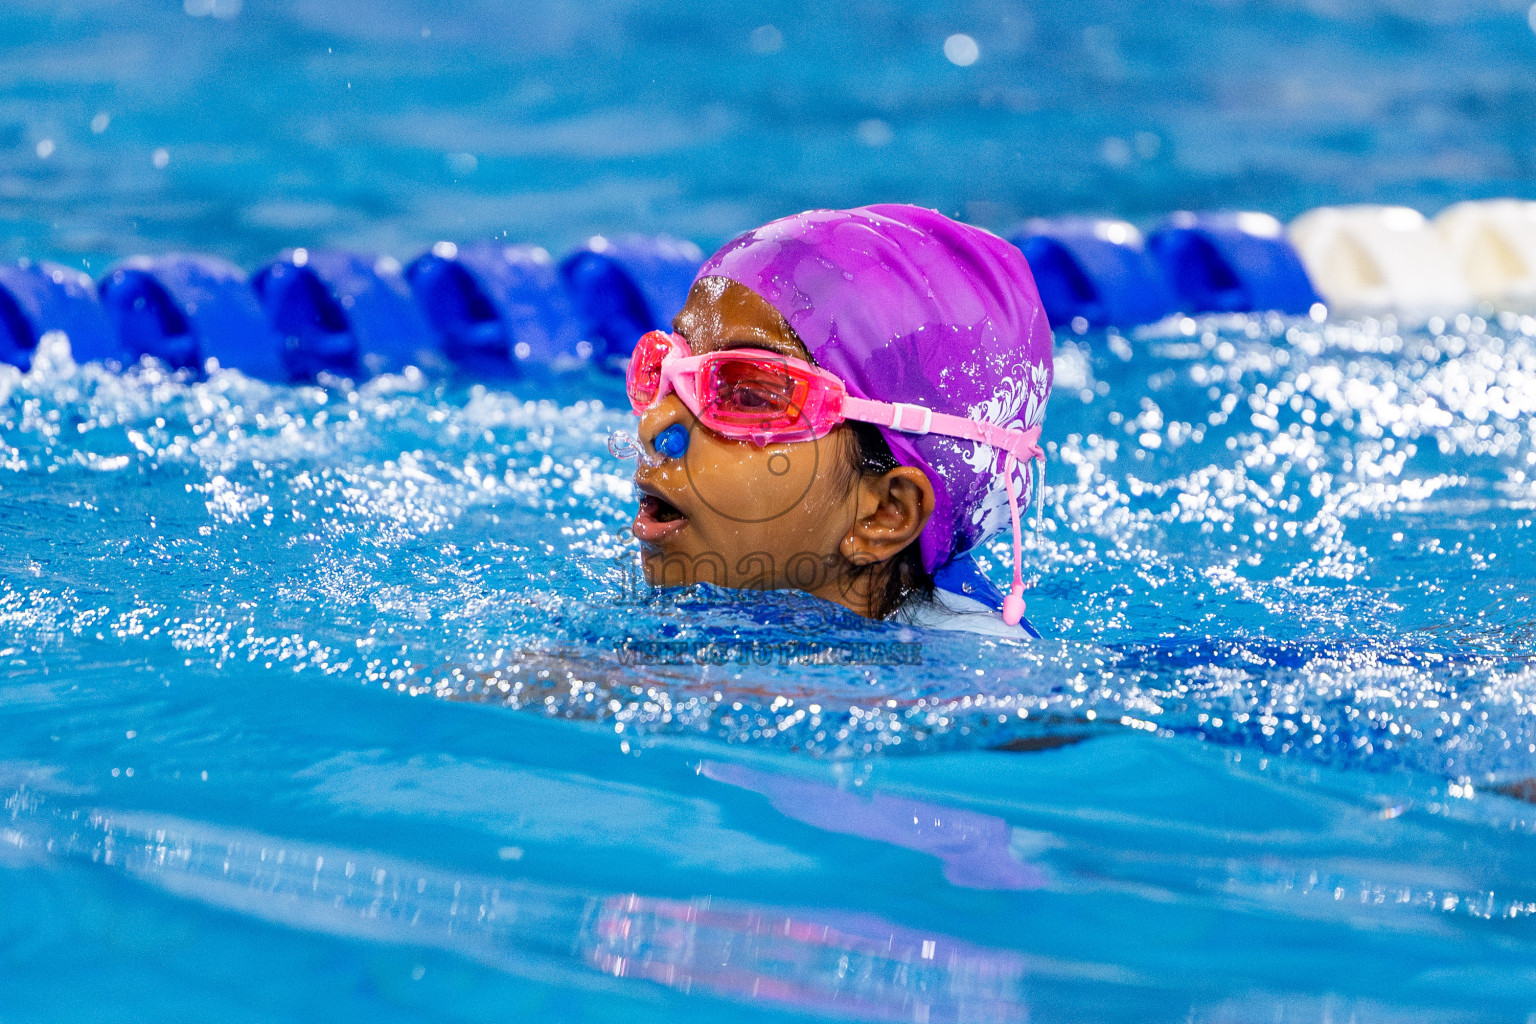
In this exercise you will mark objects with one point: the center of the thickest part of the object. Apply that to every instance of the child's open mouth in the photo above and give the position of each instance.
(657, 518)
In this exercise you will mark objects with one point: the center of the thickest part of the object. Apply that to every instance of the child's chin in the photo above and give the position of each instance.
(663, 568)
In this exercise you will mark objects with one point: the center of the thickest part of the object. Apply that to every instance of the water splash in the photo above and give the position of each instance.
(624, 445)
(1305, 538)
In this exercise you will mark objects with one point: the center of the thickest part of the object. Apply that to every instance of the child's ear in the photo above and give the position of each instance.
(891, 511)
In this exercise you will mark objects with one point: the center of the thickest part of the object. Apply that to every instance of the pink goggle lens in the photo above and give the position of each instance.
(643, 379)
(758, 396)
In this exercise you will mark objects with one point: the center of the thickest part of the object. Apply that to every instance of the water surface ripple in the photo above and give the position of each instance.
(1284, 579)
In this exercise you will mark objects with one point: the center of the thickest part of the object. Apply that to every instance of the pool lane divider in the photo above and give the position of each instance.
(1093, 273)
(621, 288)
(187, 309)
(1493, 244)
(344, 313)
(38, 298)
(1231, 263)
(498, 310)
(1372, 260)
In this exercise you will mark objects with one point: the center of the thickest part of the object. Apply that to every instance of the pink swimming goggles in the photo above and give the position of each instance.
(766, 397)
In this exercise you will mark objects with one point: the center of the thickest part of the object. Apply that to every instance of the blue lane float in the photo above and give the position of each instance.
(1231, 263)
(187, 309)
(1093, 272)
(39, 298)
(623, 287)
(343, 313)
(499, 309)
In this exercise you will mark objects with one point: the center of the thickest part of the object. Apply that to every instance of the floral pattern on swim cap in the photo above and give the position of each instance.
(907, 305)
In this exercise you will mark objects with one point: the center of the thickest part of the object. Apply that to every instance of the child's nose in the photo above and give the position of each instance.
(665, 426)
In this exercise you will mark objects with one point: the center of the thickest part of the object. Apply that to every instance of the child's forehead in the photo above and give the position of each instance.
(721, 313)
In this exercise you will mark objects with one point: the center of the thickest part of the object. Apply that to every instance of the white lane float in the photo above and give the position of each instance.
(1493, 244)
(1371, 260)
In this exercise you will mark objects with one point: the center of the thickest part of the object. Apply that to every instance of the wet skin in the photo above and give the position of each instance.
(777, 517)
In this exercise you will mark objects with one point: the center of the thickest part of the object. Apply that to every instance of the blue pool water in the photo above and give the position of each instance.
(391, 125)
(335, 702)
(235, 617)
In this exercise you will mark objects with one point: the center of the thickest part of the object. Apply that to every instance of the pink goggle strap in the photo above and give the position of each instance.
(1019, 444)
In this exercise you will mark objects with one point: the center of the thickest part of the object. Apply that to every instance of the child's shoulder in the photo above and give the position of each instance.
(945, 610)
(963, 599)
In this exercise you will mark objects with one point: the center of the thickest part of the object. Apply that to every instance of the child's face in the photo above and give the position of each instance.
(730, 512)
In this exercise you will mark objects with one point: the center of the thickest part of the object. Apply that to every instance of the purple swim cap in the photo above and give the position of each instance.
(907, 305)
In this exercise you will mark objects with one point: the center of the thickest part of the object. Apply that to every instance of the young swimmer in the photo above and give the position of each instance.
(758, 471)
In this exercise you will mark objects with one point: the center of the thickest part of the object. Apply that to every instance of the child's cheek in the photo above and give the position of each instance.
(746, 484)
